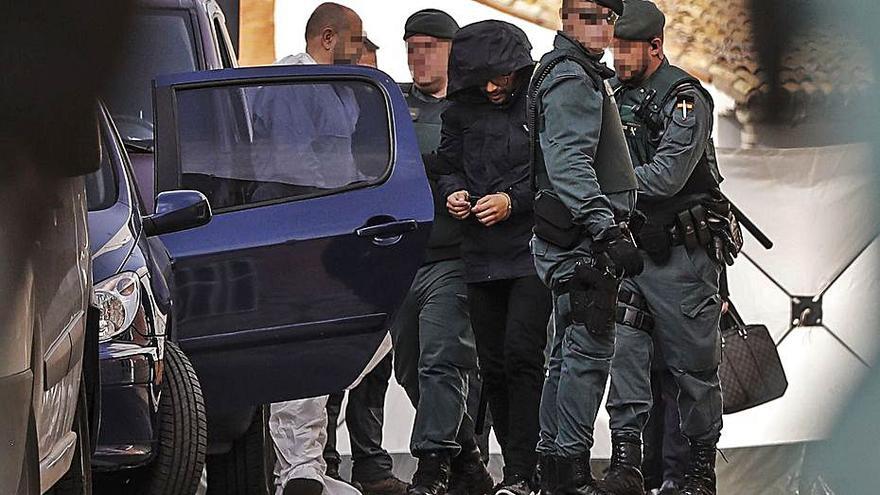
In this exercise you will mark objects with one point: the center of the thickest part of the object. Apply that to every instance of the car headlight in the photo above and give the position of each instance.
(119, 298)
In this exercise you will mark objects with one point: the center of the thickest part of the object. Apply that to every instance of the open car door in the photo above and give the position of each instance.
(321, 215)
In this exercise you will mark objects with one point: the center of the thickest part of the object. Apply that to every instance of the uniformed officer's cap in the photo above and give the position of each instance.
(615, 5)
(641, 21)
(431, 22)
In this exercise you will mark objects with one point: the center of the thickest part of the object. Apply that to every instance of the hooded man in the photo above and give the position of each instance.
(484, 156)
(582, 246)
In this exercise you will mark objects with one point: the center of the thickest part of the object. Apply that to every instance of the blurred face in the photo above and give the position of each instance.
(631, 59)
(589, 23)
(428, 59)
(347, 44)
(369, 59)
(498, 89)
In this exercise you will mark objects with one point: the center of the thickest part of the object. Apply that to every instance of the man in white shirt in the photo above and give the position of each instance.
(334, 35)
(307, 129)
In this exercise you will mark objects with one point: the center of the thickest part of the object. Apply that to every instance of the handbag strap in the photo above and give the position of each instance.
(735, 314)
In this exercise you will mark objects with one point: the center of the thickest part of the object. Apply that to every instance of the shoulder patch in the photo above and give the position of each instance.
(684, 106)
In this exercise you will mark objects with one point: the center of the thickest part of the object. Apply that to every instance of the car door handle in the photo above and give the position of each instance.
(391, 231)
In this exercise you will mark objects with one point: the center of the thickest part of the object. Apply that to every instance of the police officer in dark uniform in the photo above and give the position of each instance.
(428, 36)
(586, 191)
(434, 350)
(674, 304)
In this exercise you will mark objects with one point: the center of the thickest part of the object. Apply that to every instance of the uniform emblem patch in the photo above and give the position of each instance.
(685, 105)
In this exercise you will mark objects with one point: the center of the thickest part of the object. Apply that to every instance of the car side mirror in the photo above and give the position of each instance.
(177, 211)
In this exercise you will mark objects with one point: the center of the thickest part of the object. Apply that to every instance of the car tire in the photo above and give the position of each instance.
(183, 430)
(248, 468)
(78, 479)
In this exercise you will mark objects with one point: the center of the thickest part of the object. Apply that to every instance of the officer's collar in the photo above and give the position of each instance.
(565, 42)
(422, 96)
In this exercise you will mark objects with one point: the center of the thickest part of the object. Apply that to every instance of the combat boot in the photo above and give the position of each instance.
(624, 476)
(548, 477)
(574, 476)
(432, 475)
(468, 474)
(700, 476)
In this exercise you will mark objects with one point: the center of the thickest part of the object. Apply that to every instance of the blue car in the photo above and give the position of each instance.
(321, 215)
(278, 297)
(152, 413)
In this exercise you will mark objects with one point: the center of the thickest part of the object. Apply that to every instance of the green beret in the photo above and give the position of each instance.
(431, 22)
(615, 5)
(641, 21)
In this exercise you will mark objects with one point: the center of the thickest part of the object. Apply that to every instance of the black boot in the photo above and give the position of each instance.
(548, 477)
(700, 476)
(468, 474)
(624, 476)
(574, 476)
(432, 475)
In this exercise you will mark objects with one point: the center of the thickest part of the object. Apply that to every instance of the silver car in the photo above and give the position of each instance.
(48, 333)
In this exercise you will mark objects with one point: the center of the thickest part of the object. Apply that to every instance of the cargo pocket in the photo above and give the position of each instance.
(699, 344)
(697, 301)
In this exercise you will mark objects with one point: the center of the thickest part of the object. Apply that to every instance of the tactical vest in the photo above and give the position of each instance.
(612, 164)
(641, 111)
(426, 119)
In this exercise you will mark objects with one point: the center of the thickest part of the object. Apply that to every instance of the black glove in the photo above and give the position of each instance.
(623, 253)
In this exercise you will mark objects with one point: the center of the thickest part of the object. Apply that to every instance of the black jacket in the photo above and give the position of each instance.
(484, 147)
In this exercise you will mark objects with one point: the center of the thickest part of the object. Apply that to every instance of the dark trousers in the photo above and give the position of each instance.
(364, 417)
(434, 357)
(509, 318)
(666, 449)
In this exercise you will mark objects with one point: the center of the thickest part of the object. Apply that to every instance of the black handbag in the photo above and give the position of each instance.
(751, 372)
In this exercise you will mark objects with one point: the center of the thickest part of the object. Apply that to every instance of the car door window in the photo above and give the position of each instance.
(243, 146)
(227, 54)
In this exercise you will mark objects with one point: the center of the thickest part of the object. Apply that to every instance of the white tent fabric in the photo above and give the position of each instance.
(819, 207)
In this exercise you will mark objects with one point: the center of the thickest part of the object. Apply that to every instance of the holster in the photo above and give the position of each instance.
(554, 222)
(593, 295)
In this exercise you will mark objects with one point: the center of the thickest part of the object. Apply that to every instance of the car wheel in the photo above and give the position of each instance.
(183, 431)
(247, 469)
(78, 479)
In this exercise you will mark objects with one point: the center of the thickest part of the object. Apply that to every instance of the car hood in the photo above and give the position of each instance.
(112, 240)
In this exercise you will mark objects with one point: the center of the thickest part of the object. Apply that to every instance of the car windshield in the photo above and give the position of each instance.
(160, 42)
(101, 184)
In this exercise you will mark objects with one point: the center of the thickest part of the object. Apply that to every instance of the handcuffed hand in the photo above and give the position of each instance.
(458, 205)
(492, 209)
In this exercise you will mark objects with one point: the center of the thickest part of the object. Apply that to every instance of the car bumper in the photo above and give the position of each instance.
(129, 405)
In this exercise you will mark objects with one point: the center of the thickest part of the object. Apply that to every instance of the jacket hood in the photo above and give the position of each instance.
(484, 50)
